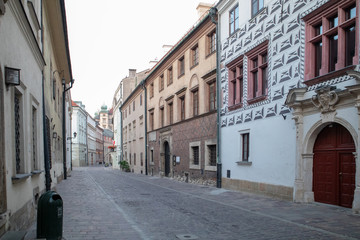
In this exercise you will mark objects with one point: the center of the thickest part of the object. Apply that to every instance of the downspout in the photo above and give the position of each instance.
(45, 133)
(145, 116)
(121, 135)
(215, 20)
(64, 123)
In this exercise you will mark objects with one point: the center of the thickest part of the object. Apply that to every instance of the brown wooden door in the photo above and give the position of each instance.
(334, 166)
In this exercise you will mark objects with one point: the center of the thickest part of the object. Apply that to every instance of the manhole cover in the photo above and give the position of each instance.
(186, 236)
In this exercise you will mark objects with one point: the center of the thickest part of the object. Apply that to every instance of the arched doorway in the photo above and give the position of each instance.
(167, 158)
(334, 166)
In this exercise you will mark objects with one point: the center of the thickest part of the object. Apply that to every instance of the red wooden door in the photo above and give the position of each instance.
(334, 166)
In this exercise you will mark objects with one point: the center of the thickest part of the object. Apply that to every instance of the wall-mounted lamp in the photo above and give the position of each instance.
(75, 134)
(54, 134)
(12, 76)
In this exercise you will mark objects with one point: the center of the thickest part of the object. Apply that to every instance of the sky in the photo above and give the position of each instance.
(109, 37)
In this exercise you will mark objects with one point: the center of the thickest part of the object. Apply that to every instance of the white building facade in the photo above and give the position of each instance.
(79, 135)
(286, 61)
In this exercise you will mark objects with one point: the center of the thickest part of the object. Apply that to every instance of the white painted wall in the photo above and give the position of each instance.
(272, 151)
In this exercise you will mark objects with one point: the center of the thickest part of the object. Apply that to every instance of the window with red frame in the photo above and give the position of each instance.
(331, 38)
(236, 83)
(151, 90)
(257, 73)
(170, 76)
(161, 83)
(212, 96)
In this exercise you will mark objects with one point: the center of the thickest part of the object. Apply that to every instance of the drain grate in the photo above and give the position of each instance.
(186, 236)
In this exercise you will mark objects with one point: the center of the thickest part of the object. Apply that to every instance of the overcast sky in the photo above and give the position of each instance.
(108, 37)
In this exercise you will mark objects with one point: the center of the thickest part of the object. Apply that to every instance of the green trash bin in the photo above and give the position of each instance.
(50, 216)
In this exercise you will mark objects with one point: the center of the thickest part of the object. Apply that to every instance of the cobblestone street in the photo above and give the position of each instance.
(101, 203)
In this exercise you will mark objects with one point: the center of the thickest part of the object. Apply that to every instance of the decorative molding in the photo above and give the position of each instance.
(325, 99)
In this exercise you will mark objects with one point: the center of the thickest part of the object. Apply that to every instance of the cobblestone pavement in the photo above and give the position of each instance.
(102, 203)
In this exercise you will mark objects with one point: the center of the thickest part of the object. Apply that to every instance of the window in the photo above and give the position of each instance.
(141, 159)
(212, 155)
(234, 20)
(54, 88)
(196, 102)
(257, 73)
(129, 109)
(182, 108)
(195, 155)
(245, 146)
(171, 113)
(130, 158)
(151, 90)
(162, 116)
(236, 84)
(140, 99)
(134, 105)
(34, 138)
(212, 96)
(256, 6)
(170, 76)
(195, 151)
(134, 158)
(330, 40)
(211, 43)
(18, 134)
(152, 156)
(181, 66)
(161, 83)
(151, 120)
(195, 56)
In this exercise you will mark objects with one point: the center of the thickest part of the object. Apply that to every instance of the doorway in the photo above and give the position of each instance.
(334, 166)
(167, 158)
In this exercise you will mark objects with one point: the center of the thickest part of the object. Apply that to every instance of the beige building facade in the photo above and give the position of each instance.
(133, 122)
(181, 107)
(34, 59)
(125, 87)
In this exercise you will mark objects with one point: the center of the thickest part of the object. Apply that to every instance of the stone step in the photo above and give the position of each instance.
(13, 235)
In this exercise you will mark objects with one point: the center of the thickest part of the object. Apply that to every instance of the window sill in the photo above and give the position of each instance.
(181, 75)
(37, 172)
(257, 99)
(244, 163)
(193, 66)
(192, 166)
(235, 106)
(20, 177)
(328, 76)
(210, 54)
(210, 168)
(257, 13)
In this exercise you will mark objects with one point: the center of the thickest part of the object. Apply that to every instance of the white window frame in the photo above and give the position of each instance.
(240, 144)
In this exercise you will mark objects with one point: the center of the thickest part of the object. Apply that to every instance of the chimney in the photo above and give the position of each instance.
(166, 48)
(152, 63)
(202, 8)
(132, 72)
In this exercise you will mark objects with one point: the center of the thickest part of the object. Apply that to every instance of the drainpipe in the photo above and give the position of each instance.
(45, 130)
(214, 19)
(145, 116)
(121, 135)
(64, 122)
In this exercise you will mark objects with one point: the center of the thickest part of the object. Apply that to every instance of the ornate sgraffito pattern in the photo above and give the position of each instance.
(281, 24)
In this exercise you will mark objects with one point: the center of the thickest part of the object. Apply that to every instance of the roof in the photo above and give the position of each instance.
(74, 104)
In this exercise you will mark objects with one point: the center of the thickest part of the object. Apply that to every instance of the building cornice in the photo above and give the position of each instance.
(18, 10)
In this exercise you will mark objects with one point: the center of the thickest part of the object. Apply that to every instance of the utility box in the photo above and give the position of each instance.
(50, 216)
